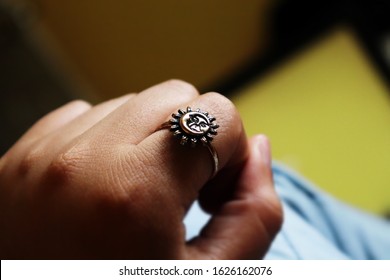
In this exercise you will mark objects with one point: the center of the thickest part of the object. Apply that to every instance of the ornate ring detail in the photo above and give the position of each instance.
(193, 127)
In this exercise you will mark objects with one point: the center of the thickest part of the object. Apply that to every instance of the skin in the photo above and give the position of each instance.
(99, 182)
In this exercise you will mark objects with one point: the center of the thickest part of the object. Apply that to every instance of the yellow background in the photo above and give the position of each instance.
(125, 46)
(327, 114)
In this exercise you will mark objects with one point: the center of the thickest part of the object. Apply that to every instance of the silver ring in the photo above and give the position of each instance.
(193, 128)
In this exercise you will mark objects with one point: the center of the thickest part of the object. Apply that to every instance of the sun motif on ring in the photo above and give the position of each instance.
(193, 126)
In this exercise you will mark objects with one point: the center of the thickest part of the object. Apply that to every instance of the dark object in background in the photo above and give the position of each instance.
(297, 23)
(29, 86)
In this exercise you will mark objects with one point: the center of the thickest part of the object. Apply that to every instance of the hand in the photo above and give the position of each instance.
(100, 182)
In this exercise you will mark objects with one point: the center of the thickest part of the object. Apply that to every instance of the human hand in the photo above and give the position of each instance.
(100, 182)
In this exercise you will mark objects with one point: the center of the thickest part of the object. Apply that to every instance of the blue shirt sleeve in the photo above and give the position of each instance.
(316, 225)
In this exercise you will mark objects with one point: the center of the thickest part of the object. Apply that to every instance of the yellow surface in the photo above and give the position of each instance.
(121, 46)
(327, 114)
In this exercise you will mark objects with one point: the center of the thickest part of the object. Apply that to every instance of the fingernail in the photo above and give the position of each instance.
(265, 149)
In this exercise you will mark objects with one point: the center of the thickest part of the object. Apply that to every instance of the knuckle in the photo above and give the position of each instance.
(227, 116)
(250, 206)
(30, 160)
(271, 215)
(64, 166)
(276, 213)
(183, 87)
(3, 160)
(271, 211)
(224, 104)
(81, 104)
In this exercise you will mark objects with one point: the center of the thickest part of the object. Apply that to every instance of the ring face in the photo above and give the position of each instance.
(193, 126)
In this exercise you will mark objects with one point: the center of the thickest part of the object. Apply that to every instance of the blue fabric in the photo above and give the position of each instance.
(316, 225)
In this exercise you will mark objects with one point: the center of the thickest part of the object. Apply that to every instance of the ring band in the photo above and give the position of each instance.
(192, 128)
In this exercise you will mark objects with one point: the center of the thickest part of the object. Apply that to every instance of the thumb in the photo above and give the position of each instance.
(244, 226)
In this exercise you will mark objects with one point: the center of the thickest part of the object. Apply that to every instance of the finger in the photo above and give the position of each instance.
(55, 120)
(181, 171)
(46, 125)
(44, 151)
(140, 117)
(244, 227)
(85, 121)
(58, 139)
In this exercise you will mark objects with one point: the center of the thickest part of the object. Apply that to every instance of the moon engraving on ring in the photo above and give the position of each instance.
(193, 126)
(195, 123)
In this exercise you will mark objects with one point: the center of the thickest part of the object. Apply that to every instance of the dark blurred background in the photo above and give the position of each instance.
(55, 51)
